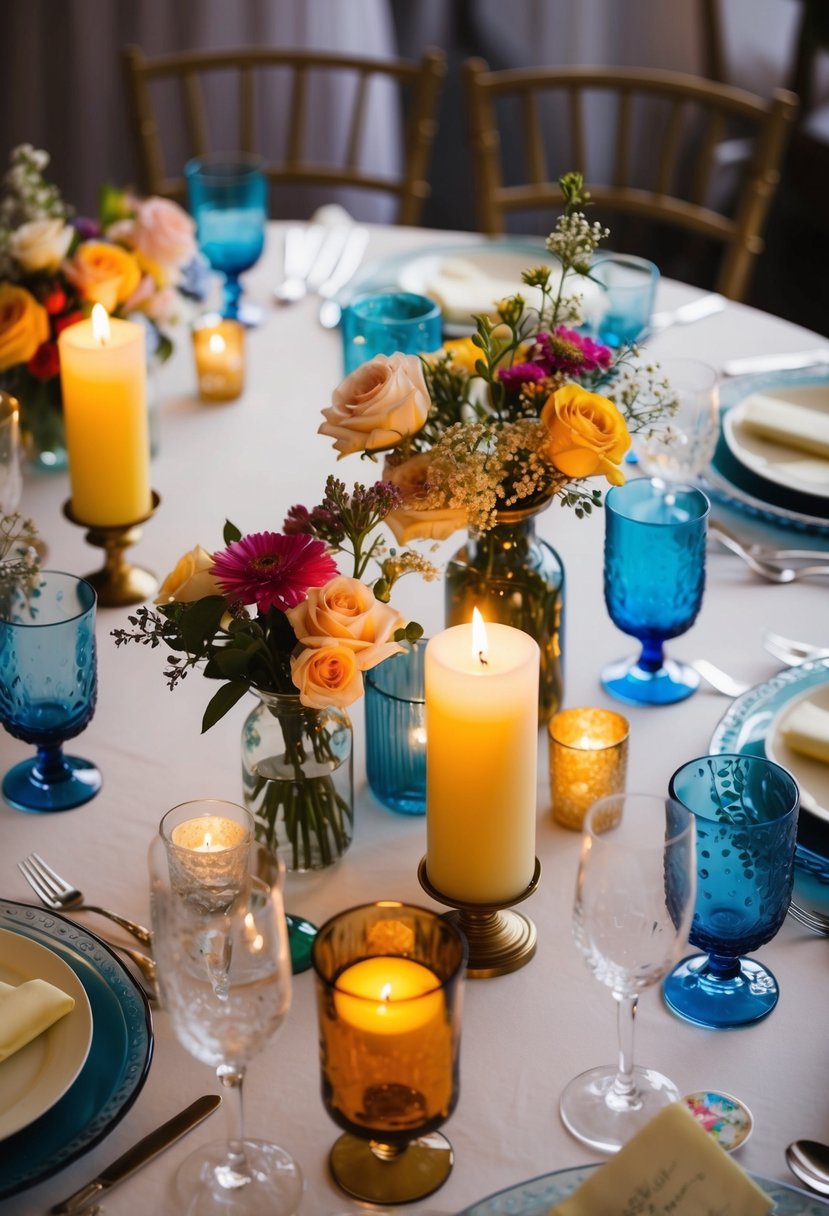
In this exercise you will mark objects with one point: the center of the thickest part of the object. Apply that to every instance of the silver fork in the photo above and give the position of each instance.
(58, 894)
(815, 921)
(790, 651)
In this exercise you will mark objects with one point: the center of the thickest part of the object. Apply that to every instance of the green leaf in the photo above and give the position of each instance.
(232, 662)
(201, 621)
(231, 533)
(221, 702)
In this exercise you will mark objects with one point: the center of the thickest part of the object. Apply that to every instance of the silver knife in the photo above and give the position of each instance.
(342, 273)
(776, 363)
(139, 1155)
(686, 314)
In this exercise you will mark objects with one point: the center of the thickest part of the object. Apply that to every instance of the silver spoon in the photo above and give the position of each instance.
(809, 1161)
(766, 569)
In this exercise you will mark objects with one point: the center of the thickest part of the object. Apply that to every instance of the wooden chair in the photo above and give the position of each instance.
(417, 84)
(664, 129)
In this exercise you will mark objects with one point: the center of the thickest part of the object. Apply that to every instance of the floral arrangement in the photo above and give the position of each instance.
(523, 411)
(20, 549)
(137, 258)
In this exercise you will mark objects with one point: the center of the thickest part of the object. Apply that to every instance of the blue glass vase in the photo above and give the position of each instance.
(396, 731)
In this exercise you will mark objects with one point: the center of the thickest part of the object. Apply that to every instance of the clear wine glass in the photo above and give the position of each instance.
(682, 443)
(225, 980)
(633, 906)
(228, 198)
(48, 689)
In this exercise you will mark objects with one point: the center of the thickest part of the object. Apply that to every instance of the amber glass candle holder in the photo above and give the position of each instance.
(389, 980)
(219, 351)
(588, 760)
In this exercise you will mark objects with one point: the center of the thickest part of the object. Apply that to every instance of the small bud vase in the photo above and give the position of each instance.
(297, 779)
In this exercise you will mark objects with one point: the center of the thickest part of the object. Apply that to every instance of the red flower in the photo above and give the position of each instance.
(71, 318)
(272, 570)
(45, 362)
(55, 301)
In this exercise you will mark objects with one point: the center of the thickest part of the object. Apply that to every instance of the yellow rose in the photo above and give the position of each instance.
(327, 675)
(377, 405)
(587, 434)
(40, 244)
(190, 580)
(103, 273)
(24, 325)
(407, 522)
(464, 353)
(345, 611)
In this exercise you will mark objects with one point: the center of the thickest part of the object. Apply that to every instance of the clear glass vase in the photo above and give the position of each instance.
(514, 577)
(297, 779)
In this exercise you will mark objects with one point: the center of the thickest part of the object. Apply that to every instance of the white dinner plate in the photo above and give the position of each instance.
(35, 1077)
(812, 776)
(783, 465)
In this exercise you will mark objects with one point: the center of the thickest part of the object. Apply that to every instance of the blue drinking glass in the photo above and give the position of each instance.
(387, 322)
(745, 808)
(396, 731)
(654, 575)
(621, 311)
(228, 198)
(48, 688)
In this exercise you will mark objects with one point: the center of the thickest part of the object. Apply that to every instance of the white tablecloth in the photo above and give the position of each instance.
(524, 1035)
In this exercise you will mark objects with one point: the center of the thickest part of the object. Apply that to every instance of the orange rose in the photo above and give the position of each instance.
(587, 434)
(346, 612)
(407, 522)
(327, 675)
(24, 325)
(377, 405)
(103, 273)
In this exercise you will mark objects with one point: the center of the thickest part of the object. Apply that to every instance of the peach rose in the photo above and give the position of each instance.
(163, 233)
(24, 325)
(327, 675)
(41, 245)
(190, 580)
(377, 405)
(588, 435)
(406, 521)
(345, 611)
(103, 273)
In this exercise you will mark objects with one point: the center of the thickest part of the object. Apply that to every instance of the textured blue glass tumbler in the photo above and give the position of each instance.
(48, 687)
(228, 199)
(396, 731)
(388, 322)
(745, 809)
(654, 575)
(622, 310)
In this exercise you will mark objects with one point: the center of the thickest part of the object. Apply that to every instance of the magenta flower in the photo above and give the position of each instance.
(514, 378)
(565, 350)
(272, 570)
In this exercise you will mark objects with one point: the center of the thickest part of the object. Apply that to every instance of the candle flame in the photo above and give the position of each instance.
(100, 325)
(216, 343)
(385, 992)
(480, 646)
(208, 841)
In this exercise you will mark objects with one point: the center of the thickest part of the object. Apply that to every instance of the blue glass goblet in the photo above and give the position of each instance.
(228, 198)
(745, 808)
(48, 687)
(654, 575)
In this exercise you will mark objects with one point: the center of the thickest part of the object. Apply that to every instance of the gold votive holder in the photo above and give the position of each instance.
(389, 979)
(118, 583)
(499, 939)
(219, 350)
(208, 843)
(588, 759)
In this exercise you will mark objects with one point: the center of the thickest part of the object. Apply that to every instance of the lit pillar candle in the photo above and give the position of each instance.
(103, 384)
(481, 762)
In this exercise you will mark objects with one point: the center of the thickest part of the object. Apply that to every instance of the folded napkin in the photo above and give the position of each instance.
(463, 290)
(793, 426)
(806, 730)
(27, 1010)
(672, 1167)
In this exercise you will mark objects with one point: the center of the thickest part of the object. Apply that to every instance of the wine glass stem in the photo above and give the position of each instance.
(624, 1095)
(50, 764)
(653, 655)
(232, 293)
(231, 1080)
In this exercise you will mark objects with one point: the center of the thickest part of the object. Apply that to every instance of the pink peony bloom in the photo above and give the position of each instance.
(272, 570)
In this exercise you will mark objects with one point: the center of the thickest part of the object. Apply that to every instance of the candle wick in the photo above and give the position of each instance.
(481, 659)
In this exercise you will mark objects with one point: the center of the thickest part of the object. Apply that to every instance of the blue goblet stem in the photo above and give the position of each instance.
(652, 657)
(722, 967)
(50, 764)
(231, 295)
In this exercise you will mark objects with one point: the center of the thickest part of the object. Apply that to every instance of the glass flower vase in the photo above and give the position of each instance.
(42, 431)
(516, 578)
(297, 779)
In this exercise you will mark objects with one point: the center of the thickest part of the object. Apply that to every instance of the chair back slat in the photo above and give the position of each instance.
(299, 90)
(536, 160)
(621, 168)
(578, 146)
(247, 110)
(194, 114)
(713, 134)
(671, 147)
(358, 119)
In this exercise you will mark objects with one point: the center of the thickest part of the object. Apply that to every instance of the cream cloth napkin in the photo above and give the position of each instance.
(27, 1010)
(464, 289)
(793, 426)
(806, 730)
(671, 1166)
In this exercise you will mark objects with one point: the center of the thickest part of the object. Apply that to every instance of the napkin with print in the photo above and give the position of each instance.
(784, 422)
(27, 1010)
(672, 1167)
(806, 730)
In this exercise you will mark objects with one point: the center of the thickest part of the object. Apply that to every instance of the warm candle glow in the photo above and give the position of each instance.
(216, 344)
(100, 325)
(386, 996)
(588, 759)
(219, 349)
(479, 638)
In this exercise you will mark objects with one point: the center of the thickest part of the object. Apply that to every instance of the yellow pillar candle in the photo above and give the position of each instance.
(103, 383)
(481, 762)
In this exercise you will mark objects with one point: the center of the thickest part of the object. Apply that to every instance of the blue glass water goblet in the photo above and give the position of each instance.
(654, 575)
(228, 198)
(745, 808)
(48, 688)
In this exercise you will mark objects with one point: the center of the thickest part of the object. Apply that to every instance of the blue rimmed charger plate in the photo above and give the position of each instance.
(534, 1198)
(115, 1069)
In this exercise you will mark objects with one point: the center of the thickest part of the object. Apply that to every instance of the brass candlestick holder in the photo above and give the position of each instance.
(118, 583)
(500, 940)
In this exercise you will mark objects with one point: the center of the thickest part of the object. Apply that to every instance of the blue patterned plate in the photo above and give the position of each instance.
(115, 1069)
(534, 1198)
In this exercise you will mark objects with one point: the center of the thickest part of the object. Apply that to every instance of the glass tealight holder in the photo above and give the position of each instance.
(396, 731)
(208, 843)
(389, 980)
(588, 751)
(219, 350)
(387, 322)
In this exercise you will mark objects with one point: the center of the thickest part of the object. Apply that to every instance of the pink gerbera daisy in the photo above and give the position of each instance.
(272, 570)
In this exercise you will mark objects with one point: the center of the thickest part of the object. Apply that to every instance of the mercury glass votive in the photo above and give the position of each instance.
(389, 979)
(208, 845)
(588, 760)
(219, 350)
